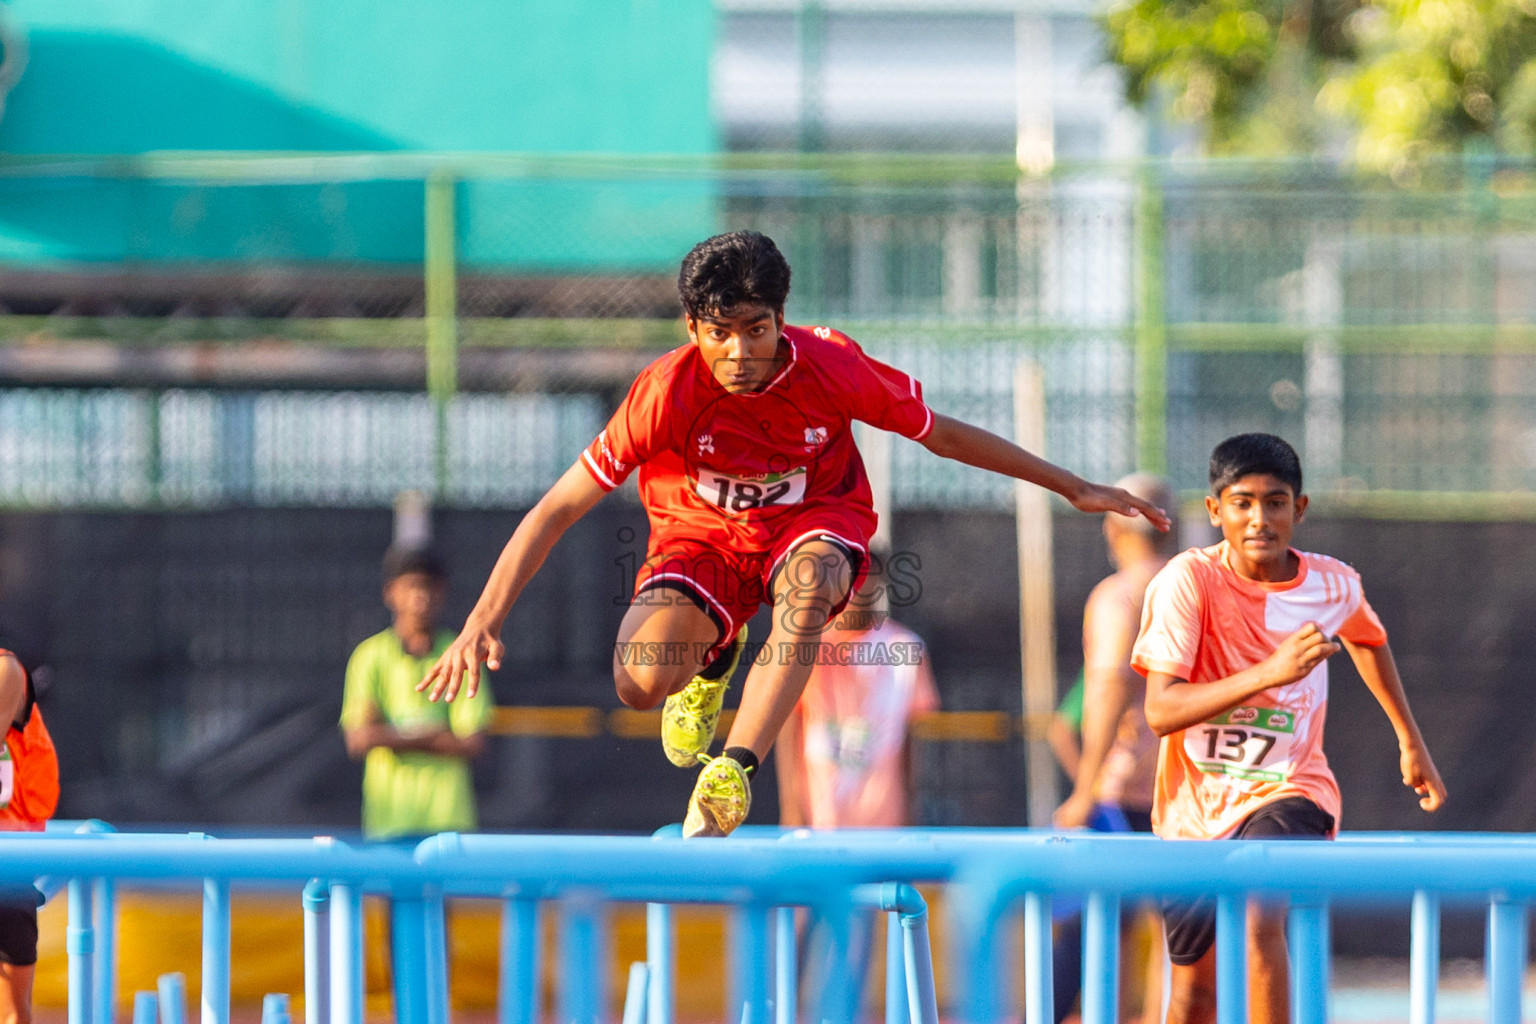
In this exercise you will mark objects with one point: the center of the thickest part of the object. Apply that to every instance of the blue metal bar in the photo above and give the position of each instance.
(215, 951)
(80, 942)
(1311, 951)
(274, 1008)
(635, 995)
(408, 942)
(786, 982)
(519, 961)
(583, 960)
(896, 1011)
(841, 985)
(662, 870)
(172, 989)
(1039, 995)
(317, 952)
(1231, 960)
(908, 907)
(104, 921)
(1101, 958)
(435, 961)
(1424, 958)
(346, 953)
(1506, 960)
(145, 1008)
(751, 964)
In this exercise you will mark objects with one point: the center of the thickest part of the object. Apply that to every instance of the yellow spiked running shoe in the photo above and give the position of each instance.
(689, 717)
(721, 799)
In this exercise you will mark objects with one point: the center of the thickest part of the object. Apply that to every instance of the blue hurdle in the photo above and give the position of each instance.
(990, 877)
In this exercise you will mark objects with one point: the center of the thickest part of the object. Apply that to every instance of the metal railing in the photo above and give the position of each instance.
(988, 877)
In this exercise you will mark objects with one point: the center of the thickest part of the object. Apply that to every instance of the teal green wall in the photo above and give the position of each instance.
(128, 76)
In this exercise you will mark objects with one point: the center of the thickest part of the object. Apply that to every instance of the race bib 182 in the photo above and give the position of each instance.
(1246, 742)
(736, 495)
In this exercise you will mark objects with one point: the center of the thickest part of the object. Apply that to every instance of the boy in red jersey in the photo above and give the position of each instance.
(755, 494)
(1234, 643)
(29, 794)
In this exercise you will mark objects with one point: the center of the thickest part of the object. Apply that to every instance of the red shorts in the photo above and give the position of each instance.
(730, 585)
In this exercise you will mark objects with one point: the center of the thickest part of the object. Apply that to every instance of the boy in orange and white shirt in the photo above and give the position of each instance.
(1234, 643)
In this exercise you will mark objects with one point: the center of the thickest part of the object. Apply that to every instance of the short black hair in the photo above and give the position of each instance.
(1246, 454)
(741, 268)
(410, 560)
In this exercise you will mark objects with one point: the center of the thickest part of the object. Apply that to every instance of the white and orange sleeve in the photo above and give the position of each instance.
(1171, 619)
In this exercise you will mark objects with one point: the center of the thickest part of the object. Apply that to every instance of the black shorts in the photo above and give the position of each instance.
(18, 925)
(1191, 923)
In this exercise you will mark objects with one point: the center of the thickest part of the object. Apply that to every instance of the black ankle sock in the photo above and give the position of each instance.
(717, 668)
(743, 757)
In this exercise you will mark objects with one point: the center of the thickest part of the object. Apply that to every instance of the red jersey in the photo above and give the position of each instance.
(29, 770)
(726, 468)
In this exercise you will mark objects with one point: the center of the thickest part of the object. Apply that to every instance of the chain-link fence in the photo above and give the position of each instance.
(215, 331)
(219, 368)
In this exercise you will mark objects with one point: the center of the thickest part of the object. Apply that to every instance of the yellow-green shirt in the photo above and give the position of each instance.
(411, 792)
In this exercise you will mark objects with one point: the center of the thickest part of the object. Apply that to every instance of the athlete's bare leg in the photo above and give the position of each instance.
(16, 993)
(1269, 976)
(815, 578)
(1192, 989)
(659, 647)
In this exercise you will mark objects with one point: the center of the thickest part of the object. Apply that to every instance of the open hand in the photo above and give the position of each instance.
(1103, 498)
(1074, 812)
(1420, 775)
(463, 657)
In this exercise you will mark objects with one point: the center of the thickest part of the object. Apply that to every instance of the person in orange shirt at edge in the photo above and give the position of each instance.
(1234, 644)
(756, 494)
(29, 794)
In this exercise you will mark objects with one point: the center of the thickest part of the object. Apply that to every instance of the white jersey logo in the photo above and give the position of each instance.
(706, 443)
(815, 435)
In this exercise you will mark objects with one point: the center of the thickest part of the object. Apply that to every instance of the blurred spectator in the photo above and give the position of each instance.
(1117, 759)
(416, 752)
(844, 758)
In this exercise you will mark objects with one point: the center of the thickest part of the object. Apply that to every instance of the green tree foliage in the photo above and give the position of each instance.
(1245, 70)
(1435, 76)
(1401, 78)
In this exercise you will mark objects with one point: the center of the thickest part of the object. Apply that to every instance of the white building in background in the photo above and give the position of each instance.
(921, 75)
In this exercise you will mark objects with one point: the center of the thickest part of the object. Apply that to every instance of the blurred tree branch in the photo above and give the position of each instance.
(1392, 79)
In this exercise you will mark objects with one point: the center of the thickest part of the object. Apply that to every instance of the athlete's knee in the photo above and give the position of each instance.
(814, 582)
(643, 687)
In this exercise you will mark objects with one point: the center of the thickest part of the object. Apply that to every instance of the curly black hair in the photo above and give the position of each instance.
(741, 268)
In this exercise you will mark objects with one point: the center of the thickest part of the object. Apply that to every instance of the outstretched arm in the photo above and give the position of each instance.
(1109, 686)
(1107, 692)
(1174, 703)
(1377, 667)
(954, 439)
(480, 639)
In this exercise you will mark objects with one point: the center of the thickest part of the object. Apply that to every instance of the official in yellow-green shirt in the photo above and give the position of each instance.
(416, 753)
